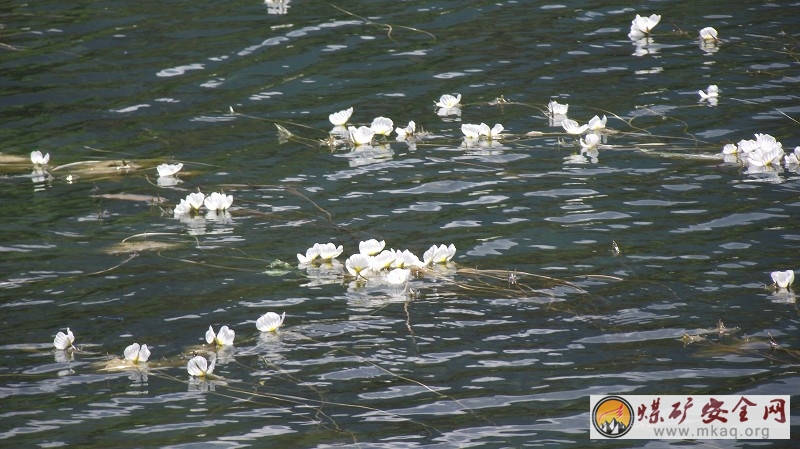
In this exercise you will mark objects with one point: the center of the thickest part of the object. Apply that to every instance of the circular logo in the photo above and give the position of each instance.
(612, 417)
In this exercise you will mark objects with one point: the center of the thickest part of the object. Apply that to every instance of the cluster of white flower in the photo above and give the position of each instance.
(394, 266)
(198, 366)
(364, 135)
(762, 154)
(594, 129)
(474, 133)
(216, 202)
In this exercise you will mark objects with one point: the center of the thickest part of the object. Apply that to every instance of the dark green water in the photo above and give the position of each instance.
(470, 360)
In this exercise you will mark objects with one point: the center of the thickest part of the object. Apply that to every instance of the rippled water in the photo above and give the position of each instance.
(500, 348)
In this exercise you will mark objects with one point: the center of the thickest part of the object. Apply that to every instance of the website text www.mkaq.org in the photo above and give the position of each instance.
(712, 431)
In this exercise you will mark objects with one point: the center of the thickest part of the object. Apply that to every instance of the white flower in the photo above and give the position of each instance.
(471, 131)
(571, 127)
(195, 200)
(765, 157)
(371, 247)
(311, 254)
(783, 278)
(438, 254)
(711, 92)
(493, 133)
(448, 101)
(590, 142)
(643, 26)
(708, 34)
(730, 149)
(136, 353)
(597, 123)
(38, 159)
(169, 169)
(270, 321)
(382, 126)
(182, 208)
(793, 158)
(361, 135)
(406, 259)
(555, 108)
(218, 201)
(407, 132)
(328, 251)
(199, 367)
(224, 338)
(398, 276)
(64, 341)
(340, 118)
(382, 260)
(358, 264)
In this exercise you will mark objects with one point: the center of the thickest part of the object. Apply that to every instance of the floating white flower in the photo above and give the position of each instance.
(448, 101)
(556, 108)
(195, 200)
(471, 131)
(783, 279)
(218, 201)
(169, 169)
(571, 127)
(137, 354)
(730, 148)
(590, 142)
(371, 247)
(340, 118)
(643, 26)
(438, 254)
(38, 159)
(398, 276)
(270, 321)
(183, 208)
(328, 251)
(358, 264)
(361, 135)
(793, 158)
(597, 124)
(765, 157)
(198, 366)
(311, 254)
(382, 260)
(223, 338)
(382, 126)
(189, 205)
(492, 133)
(407, 132)
(709, 34)
(405, 259)
(711, 92)
(64, 341)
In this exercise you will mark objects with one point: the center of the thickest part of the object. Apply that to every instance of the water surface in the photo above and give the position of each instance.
(464, 357)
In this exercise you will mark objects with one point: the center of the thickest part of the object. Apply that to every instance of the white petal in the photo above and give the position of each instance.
(270, 321)
(210, 335)
(226, 336)
(197, 366)
(132, 352)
